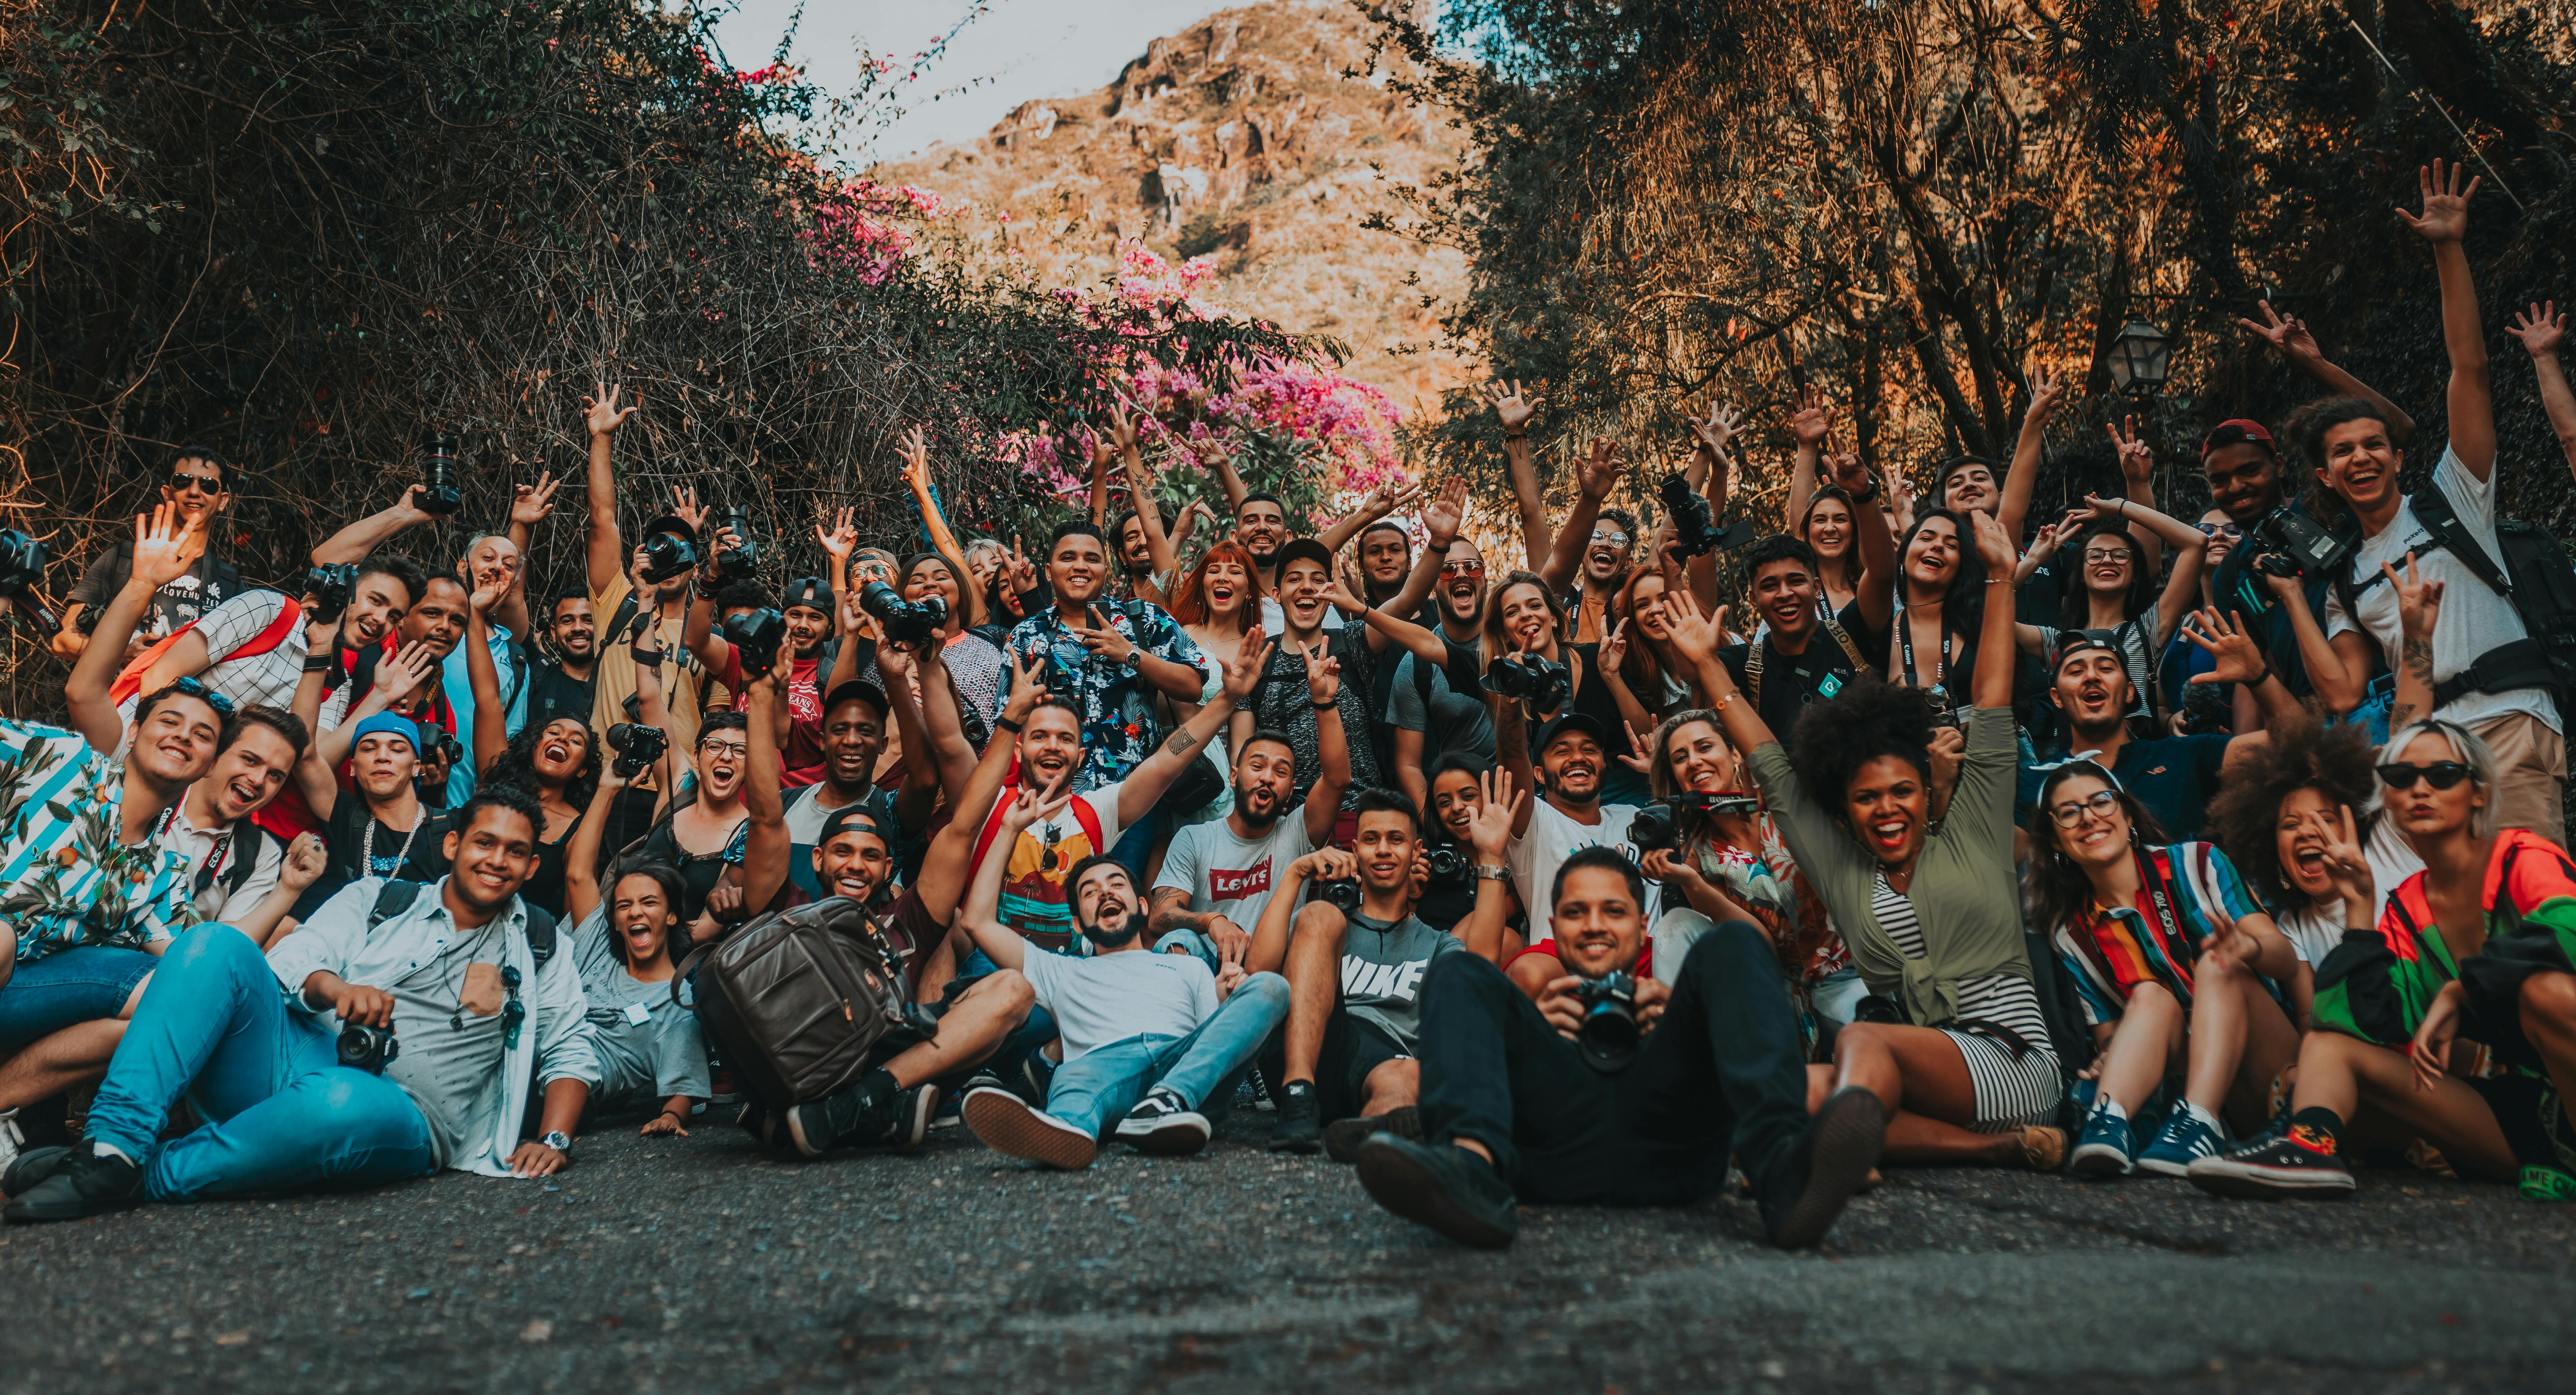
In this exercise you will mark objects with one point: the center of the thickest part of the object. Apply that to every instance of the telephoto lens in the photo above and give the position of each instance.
(637, 745)
(1608, 1033)
(22, 570)
(739, 560)
(440, 495)
(904, 622)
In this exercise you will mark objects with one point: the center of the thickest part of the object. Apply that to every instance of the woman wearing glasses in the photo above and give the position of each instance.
(2112, 586)
(2174, 961)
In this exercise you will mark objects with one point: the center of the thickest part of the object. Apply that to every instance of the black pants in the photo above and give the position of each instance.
(1723, 1070)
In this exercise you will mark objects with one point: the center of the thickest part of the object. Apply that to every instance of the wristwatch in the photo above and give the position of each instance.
(1493, 874)
(558, 1140)
(1135, 659)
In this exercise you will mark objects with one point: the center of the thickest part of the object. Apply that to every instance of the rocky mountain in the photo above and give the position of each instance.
(1260, 138)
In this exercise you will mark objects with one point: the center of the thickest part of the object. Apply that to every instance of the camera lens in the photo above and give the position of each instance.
(440, 494)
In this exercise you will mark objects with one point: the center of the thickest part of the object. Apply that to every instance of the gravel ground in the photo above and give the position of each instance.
(703, 1264)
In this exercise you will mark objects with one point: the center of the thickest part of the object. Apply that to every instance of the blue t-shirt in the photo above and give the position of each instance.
(2174, 777)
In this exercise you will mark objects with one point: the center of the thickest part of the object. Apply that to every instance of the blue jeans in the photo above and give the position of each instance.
(286, 1115)
(1191, 942)
(1202, 1068)
(65, 989)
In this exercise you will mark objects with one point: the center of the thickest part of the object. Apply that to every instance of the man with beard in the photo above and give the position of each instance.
(1427, 715)
(1261, 527)
(1218, 875)
(1155, 1038)
(2174, 776)
(1594, 549)
(560, 678)
(200, 489)
(1568, 816)
(853, 732)
(1805, 657)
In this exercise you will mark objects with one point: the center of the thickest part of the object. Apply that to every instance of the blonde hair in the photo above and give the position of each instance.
(2471, 752)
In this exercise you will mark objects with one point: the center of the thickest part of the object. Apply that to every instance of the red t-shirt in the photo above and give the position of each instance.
(804, 754)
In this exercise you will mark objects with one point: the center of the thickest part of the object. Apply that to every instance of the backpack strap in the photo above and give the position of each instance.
(129, 680)
(541, 932)
(1851, 651)
(1753, 671)
(249, 840)
(2433, 510)
(392, 899)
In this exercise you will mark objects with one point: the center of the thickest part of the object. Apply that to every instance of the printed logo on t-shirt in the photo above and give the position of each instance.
(1235, 886)
(1387, 983)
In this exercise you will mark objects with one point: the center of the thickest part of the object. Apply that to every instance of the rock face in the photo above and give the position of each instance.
(1260, 138)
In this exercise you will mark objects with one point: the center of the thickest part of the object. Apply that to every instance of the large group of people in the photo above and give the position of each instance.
(2229, 850)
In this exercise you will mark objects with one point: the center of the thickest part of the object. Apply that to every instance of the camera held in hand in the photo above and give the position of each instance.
(904, 622)
(739, 561)
(668, 555)
(1694, 523)
(1444, 866)
(368, 1048)
(755, 636)
(437, 741)
(2286, 542)
(330, 587)
(440, 495)
(22, 570)
(1658, 825)
(637, 745)
(1531, 679)
(1341, 893)
(1608, 1032)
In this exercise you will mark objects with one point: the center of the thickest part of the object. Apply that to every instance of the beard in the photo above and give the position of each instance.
(1243, 810)
(1104, 937)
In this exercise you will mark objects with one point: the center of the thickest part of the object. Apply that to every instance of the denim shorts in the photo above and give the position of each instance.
(66, 988)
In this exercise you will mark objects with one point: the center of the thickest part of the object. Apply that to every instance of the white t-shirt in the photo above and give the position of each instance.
(1553, 837)
(2474, 618)
(1108, 998)
(2315, 930)
(1225, 874)
(216, 849)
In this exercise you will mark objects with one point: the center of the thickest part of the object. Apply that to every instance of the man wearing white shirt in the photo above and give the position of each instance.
(1568, 815)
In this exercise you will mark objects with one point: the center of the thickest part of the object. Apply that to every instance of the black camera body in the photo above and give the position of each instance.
(738, 562)
(440, 494)
(22, 569)
(1341, 893)
(439, 741)
(1607, 1034)
(1694, 523)
(368, 1048)
(904, 622)
(667, 555)
(2289, 543)
(331, 586)
(1658, 825)
(1531, 679)
(637, 745)
(756, 636)
(1445, 865)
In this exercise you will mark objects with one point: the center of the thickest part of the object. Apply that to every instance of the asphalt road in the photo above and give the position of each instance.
(704, 1265)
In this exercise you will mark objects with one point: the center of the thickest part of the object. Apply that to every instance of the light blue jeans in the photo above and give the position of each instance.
(1095, 1089)
(286, 1116)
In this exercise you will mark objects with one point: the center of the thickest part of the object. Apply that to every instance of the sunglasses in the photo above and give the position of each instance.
(2221, 530)
(194, 688)
(1611, 536)
(2441, 774)
(1462, 569)
(182, 482)
(2100, 804)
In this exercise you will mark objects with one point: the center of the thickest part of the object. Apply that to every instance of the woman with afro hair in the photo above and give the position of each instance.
(1955, 1046)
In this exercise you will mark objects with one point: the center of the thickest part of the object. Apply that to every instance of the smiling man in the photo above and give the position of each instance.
(1107, 658)
(1568, 816)
(1806, 656)
(199, 488)
(237, 870)
(1217, 876)
(2173, 776)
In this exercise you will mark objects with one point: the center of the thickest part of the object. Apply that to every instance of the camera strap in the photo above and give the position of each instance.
(1905, 646)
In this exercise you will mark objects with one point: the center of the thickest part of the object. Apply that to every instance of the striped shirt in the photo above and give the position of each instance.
(2115, 948)
(69, 879)
(2012, 1087)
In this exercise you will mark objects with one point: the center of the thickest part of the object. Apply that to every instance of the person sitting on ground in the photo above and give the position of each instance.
(2455, 1020)
(241, 874)
(648, 1043)
(1460, 784)
(1354, 1014)
(1154, 1041)
(452, 971)
(1967, 1070)
(1518, 1105)
(2172, 958)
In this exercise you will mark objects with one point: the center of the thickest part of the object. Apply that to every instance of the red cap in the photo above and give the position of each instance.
(2244, 429)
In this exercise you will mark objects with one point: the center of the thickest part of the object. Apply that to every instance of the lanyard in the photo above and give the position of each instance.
(214, 864)
(2154, 882)
(1905, 644)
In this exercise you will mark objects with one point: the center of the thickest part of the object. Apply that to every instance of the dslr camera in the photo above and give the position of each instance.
(755, 636)
(1607, 1034)
(1531, 679)
(637, 745)
(739, 562)
(439, 496)
(1694, 524)
(22, 569)
(1341, 893)
(332, 586)
(904, 622)
(439, 741)
(368, 1048)
(2286, 542)
(667, 555)
(1658, 825)
(1444, 865)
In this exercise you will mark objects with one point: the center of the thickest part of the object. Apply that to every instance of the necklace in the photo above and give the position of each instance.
(367, 841)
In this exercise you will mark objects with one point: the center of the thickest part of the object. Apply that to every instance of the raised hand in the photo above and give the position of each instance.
(2348, 866)
(306, 860)
(2419, 602)
(1027, 689)
(400, 676)
(1211, 450)
(914, 452)
(1034, 805)
(2236, 657)
(2047, 394)
(1640, 757)
(840, 540)
(1243, 672)
(1717, 430)
(1323, 675)
(1122, 428)
(1445, 515)
(1599, 473)
(684, 502)
(2136, 461)
(1851, 474)
(531, 503)
(1490, 831)
(600, 411)
(1947, 752)
(166, 544)
(2542, 328)
(2446, 205)
(1614, 647)
(1512, 407)
(1993, 547)
(1811, 417)
(1024, 573)
(2287, 333)
(1694, 636)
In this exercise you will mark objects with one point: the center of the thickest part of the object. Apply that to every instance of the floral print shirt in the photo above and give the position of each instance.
(1118, 723)
(65, 879)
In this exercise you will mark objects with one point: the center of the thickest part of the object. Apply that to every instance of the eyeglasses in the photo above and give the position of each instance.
(181, 482)
(2106, 554)
(1462, 569)
(223, 705)
(1612, 536)
(2221, 530)
(2100, 804)
(726, 748)
(2441, 774)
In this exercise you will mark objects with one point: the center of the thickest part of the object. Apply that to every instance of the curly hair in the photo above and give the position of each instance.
(2304, 753)
(517, 764)
(1866, 720)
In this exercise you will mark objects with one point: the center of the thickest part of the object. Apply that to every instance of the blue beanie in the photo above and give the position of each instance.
(388, 724)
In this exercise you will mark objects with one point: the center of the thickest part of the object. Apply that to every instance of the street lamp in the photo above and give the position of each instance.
(2141, 355)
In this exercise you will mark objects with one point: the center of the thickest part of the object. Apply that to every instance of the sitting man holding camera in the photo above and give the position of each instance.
(1609, 1089)
(451, 1000)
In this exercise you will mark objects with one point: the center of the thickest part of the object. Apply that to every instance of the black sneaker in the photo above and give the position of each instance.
(83, 1184)
(855, 1115)
(1293, 1126)
(1804, 1192)
(1343, 1137)
(2302, 1162)
(1035, 1074)
(1441, 1186)
(1163, 1122)
(31, 1167)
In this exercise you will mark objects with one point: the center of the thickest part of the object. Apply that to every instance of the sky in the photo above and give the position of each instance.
(1015, 50)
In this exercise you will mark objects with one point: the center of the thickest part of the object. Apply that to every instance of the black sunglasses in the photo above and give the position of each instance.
(2441, 774)
(192, 687)
(181, 482)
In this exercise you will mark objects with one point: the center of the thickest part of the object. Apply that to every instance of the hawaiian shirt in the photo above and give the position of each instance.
(1118, 725)
(65, 878)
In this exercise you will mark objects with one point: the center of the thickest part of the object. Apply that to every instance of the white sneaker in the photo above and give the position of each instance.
(1163, 1122)
(11, 1140)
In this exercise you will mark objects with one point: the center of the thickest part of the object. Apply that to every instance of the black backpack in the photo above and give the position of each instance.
(2536, 577)
(396, 896)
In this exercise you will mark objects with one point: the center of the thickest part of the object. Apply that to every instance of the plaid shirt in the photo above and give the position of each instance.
(1117, 705)
(69, 880)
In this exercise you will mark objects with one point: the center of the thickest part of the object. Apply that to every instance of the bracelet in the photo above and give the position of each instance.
(1006, 724)
(2120, 510)
(1323, 706)
(1718, 703)
(645, 656)
(2260, 679)
(673, 1117)
(317, 663)
(1520, 435)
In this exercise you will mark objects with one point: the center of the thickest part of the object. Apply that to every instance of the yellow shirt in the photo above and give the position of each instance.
(615, 680)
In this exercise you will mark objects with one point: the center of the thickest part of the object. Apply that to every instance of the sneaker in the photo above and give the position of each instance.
(1007, 1124)
(2108, 1148)
(31, 1167)
(1036, 1073)
(1343, 1137)
(947, 1115)
(82, 1184)
(1446, 1188)
(2302, 1162)
(1163, 1122)
(855, 1115)
(2184, 1141)
(11, 1140)
(1262, 1098)
(1807, 1190)
(1293, 1127)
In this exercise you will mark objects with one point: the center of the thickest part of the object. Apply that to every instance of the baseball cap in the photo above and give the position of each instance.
(2237, 431)
(2073, 642)
(812, 592)
(857, 690)
(1307, 548)
(1575, 722)
(389, 724)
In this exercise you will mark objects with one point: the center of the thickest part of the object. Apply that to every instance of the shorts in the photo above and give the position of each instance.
(66, 988)
(2532, 1118)
(1353, 1047)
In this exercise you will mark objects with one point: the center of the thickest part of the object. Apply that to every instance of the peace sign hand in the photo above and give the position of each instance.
(2287, 333)
(1027, 691)
(2419, 602)
(2136, 461)
(914, 451)
(2047, 394)
(1323, 674)
(1614, 647)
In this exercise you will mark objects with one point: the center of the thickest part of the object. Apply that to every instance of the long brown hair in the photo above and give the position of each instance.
(1641, 668)
(1189, 602)
(1495, 647)
(2060, 893)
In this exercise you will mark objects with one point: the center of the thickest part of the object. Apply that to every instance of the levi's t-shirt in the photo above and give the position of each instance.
(1229, 875)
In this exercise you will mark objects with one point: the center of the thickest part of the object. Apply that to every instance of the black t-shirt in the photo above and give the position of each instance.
(1790, 683)
(345, 842)
(206, 585)
(553, 693)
